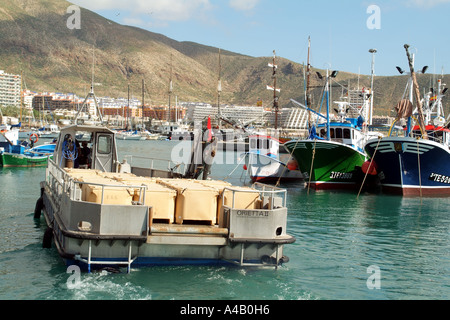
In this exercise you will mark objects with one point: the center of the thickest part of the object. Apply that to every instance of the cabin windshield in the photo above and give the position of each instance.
(339, 134)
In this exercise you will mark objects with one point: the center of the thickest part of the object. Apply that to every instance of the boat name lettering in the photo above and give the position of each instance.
(439, 178)
(341, 175)
(252, 214)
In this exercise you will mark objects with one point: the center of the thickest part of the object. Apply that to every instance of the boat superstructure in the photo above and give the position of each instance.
(108, 213)
(263, 162)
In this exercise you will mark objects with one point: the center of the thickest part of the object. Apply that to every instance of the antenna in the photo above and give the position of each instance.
(219, 89)
(91, 94)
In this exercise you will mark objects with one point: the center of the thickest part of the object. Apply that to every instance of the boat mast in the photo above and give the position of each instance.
(327, 89)
(274, 88)
(143, 99)
(372, 51)
(128, 109)
(417, 94)
(170, 90)
(219, 91)
(21, 96)
(91, 94)
(308, 83)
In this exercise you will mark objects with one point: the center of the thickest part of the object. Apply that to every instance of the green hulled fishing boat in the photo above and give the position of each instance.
(330, 164)
(21, 157)
(333, 155)
(16, 153)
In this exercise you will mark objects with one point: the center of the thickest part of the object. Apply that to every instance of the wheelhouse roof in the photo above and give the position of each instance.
(85, 129)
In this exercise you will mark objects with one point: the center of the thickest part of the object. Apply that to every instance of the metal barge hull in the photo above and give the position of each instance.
(110, 214)
(161, 244)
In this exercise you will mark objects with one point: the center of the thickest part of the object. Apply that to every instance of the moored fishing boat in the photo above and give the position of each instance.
(16, 153)
(114, 214)
(264, 165)
(31, 157)
(333, 158)
(50, 131)
(418, 163)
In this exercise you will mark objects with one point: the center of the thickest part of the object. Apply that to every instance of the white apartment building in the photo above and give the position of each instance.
(10, 85)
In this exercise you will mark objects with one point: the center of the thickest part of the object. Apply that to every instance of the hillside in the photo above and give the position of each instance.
(35, 41)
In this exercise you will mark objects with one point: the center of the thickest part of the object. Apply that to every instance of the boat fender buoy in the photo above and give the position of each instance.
(369, 169)
(47, 240)
(268, 260)
(34, 138)
(245, 167)
(292, 165)
(284, 259)
(38, 208)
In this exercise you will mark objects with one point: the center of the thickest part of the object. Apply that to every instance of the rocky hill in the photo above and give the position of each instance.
(35, 41)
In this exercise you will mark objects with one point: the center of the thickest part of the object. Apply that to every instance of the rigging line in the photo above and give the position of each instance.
(285, 167)
(420, 127)
(229, 175)
(312, 163)
(420, 176)
(370, 166)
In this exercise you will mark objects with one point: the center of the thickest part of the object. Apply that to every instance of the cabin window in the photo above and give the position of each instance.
(104, 145)
(338, 133)
(332, 133)
(347, 134)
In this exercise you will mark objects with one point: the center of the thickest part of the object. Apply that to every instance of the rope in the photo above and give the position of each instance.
(312, 163)
(231, 173)
(370, 166)
(67, 153)
(285, 167)
(392, 127)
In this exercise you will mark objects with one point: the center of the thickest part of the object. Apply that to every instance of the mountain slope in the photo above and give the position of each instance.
(35, 41)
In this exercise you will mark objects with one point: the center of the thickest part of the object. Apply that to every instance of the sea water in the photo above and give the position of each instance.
(371, 247)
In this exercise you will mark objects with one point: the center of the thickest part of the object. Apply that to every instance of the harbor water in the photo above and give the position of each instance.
(371, 247)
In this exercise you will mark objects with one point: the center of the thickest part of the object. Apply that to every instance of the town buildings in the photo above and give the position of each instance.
(10, 88)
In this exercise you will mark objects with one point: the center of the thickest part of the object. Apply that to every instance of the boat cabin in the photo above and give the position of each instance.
(348, 133)
(264, 144)
(95, 150)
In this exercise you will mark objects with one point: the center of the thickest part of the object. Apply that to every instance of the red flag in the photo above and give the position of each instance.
(209, 129)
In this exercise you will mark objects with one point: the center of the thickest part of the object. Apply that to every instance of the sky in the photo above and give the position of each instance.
(342, 31)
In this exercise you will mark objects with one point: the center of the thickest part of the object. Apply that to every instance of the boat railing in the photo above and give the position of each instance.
(270, 195)
(61, 182)
(432, 136)
(171, 165)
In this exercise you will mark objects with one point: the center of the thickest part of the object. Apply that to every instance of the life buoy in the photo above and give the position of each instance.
(34, 138)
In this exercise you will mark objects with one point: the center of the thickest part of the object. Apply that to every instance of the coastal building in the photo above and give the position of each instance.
(10, 86)
(50, 102)
(240, 115)
(148, 112)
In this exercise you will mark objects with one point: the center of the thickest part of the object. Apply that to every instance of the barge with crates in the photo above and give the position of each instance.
(102, 213)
